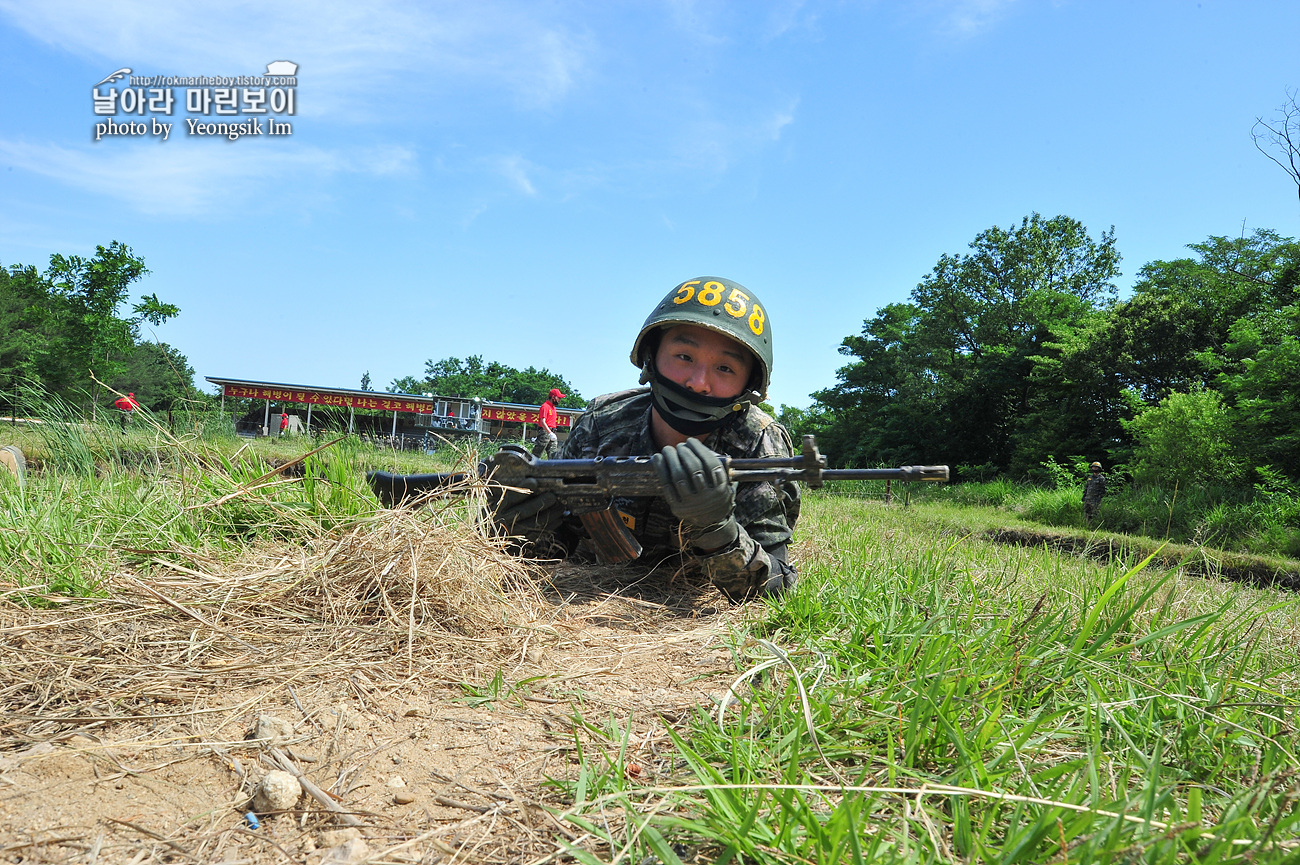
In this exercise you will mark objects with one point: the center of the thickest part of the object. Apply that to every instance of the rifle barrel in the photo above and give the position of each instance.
(903, 473)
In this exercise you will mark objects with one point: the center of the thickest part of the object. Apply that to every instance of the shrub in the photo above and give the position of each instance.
(1058, 507)
(1184, 440)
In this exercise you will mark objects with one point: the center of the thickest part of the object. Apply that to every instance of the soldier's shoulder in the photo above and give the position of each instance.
(760, 433)
(760, 419)
(618, 400)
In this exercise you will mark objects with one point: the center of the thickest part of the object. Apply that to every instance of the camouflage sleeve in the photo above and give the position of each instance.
(580, 445)
(744, 570)
(756, 562)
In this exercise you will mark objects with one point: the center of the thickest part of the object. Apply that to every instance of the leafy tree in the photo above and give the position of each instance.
(1171, 333)
(1264, 388)
(950, 377)
(409, 384)
(365, 380)
(158, 374)
(1222, 320)
(87, 295)
(472, 377)
(801, 421)
(62, 324)
(27, 346)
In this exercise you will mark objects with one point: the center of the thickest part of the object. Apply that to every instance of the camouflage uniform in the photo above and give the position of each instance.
(1093, 490)
(618, 424)
(545, 444)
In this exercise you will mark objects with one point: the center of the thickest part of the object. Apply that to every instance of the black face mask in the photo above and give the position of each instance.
(691, 414)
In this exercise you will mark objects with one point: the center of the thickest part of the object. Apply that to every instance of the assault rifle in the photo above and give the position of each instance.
(585, 487)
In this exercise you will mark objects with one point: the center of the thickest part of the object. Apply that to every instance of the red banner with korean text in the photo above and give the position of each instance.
(516, 415)
(342, 400)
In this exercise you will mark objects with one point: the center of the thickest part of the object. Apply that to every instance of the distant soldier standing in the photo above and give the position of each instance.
(547, 442)
(1093, 491)
(126, 405)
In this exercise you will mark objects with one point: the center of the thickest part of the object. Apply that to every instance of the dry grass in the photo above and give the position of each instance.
(404, 582)
(122, 717)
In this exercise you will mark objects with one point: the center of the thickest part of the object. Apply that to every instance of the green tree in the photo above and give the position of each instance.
(802, 421)
(472, 377)
(408, 384)
(28, 347)
(1185, 439)
(86, 296)
(950, 376)
(1218, 320)
(1170, 335)
(158, 374)
(1264, 388)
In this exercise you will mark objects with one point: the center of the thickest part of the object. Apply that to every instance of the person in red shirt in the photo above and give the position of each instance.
(284, 422)
(547, 442)
(127, 406)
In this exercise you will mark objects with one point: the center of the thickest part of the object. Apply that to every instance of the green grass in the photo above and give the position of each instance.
(961, 701)
(1235, 519)
(922, 696)
(97, 499)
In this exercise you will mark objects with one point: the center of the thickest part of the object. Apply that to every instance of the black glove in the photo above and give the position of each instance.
(533, 517)
(781, 578)
(695, 485)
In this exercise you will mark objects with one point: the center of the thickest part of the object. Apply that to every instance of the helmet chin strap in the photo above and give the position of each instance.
(688, 413)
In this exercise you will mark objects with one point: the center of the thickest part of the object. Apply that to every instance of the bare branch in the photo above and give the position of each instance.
(1281, 136)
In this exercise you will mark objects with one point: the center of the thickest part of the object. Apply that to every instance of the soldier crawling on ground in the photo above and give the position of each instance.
(1093, 491)
(706, 353)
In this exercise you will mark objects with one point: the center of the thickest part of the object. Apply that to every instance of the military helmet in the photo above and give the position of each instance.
(720, 305)
(1096, 466)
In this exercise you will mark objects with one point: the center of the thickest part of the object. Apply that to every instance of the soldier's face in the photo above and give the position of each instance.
(704, 361)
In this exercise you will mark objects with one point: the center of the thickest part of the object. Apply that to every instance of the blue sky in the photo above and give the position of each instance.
(525, 180)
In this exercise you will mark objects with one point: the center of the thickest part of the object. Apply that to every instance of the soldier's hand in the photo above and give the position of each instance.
(694, 482)
(534, 517)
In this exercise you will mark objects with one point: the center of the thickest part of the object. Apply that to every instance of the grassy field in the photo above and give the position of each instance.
(930, 697)
(97, 498)
(924, 695)
(1260, 521)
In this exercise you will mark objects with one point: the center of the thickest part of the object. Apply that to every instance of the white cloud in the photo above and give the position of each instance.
(697, 19)
(713, 145)
(347, 48)
(515, 169)
(786, 15)
(779, 120)
(966, 18)
(185, 178)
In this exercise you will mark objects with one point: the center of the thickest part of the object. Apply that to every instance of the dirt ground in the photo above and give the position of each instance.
(124, 722)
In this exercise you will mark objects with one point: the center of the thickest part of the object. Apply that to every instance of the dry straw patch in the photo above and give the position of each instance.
(122, 718)
(402, 585)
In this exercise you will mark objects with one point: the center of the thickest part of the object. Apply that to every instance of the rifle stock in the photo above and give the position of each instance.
(393, 489)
